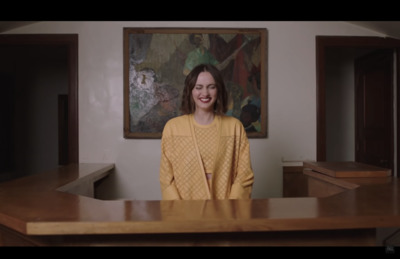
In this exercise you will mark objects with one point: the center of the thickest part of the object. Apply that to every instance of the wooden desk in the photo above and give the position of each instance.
(329, 178)
(33, 211)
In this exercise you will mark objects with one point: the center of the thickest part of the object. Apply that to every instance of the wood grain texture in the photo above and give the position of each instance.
(347, 169)
(34, 208)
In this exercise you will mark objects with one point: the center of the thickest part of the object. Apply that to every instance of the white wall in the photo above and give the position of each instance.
(291, 101)
(340, 134)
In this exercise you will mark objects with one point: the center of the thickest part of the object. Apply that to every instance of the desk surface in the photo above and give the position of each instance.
(348, 169)
(35, 205)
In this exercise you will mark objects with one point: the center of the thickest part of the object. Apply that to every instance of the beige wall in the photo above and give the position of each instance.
(291, 102)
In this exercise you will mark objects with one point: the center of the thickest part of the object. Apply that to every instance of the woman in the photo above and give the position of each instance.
(204, 153)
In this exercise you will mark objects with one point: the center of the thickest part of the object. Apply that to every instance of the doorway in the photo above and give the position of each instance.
(41, 84)
(374, 131)
(364, 45)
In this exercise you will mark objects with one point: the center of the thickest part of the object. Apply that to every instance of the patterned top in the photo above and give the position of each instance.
(182, 172)
(207, 140)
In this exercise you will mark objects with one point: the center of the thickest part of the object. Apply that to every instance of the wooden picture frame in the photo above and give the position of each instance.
(156, 63)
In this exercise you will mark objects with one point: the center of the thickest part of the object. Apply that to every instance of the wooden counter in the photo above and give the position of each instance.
(54, 209)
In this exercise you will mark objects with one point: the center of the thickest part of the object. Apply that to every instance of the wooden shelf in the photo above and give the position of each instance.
(347, 169)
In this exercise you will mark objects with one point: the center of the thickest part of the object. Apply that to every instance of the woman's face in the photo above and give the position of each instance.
(205, 92)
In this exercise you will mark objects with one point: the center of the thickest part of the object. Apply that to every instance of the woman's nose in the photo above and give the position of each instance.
(204, 91)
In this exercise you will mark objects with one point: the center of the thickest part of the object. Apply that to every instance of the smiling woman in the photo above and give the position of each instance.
(205, 154)
(204, 96)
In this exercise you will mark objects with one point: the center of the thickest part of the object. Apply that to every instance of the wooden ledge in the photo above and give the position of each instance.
(347, 169)
(336, 181)
(48, 207)
(88, 175)
(48, 196)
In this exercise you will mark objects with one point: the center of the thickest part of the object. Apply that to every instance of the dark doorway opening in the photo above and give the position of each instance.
(327, 44)
(40, 105)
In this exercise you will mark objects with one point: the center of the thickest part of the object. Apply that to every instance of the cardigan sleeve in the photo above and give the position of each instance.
(244, 179)
(167, 180)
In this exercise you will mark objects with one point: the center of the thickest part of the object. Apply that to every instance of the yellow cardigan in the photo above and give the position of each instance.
(182, 174)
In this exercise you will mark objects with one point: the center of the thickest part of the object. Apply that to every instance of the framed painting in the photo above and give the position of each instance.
(157, 60)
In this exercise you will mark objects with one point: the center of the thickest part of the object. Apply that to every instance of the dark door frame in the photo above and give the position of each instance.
(324, 42)
(71, 42)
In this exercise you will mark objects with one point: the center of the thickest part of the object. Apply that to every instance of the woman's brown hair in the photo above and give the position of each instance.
(188, 105)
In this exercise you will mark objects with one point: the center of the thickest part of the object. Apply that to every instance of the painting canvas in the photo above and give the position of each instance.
(157, 60)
